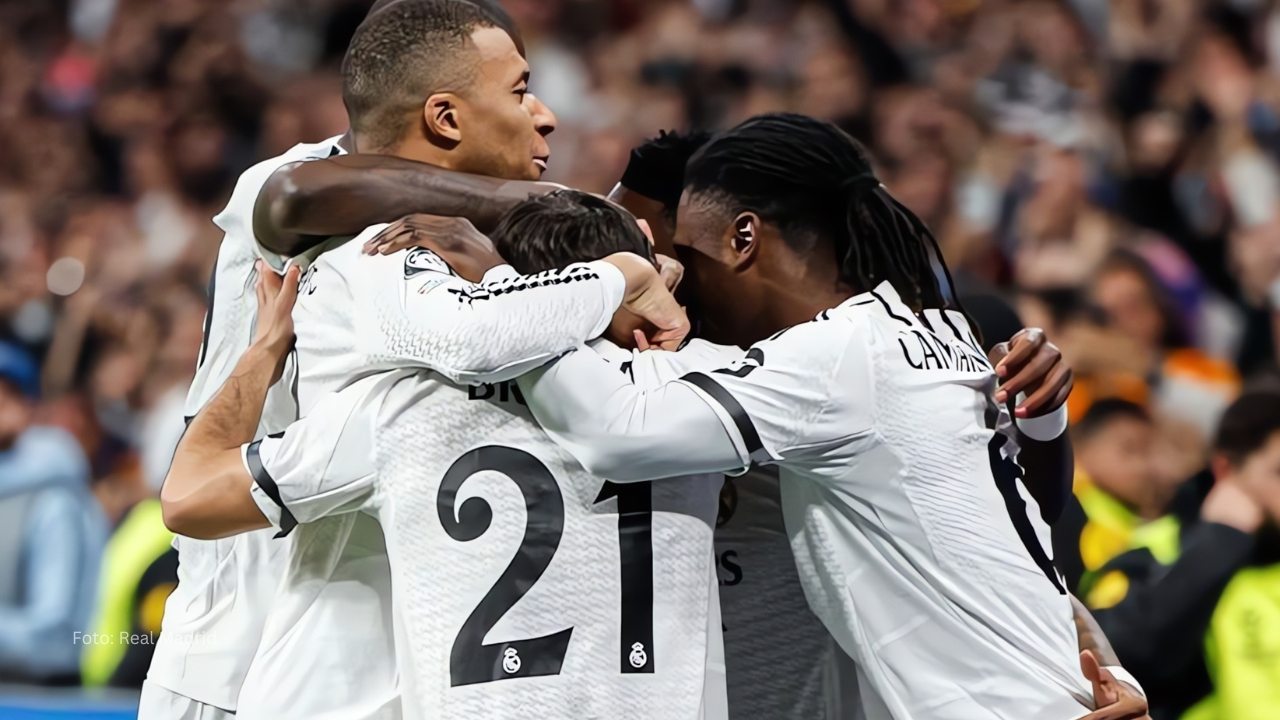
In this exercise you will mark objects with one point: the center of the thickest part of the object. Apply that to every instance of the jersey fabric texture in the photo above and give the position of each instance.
(328, 647)
(519, 579)
(781, 662)
(508, 559)
(914, 540)
(213, 619)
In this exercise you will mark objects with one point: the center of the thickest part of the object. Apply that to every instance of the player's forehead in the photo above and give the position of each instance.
(699, 218)
(499, 59)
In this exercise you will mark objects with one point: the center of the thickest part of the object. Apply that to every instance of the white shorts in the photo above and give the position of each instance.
(157, 703)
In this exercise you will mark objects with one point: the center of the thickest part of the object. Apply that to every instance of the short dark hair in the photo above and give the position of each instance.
(565, 227)
(816, 183)
(1248, 424)
(1174, 333)
(403, 53)
(1103, 412)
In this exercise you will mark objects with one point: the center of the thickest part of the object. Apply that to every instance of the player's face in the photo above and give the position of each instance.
(720, 253)
(503, 127)
(1260, 475)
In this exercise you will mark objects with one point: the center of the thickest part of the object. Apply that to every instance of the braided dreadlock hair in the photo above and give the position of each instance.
(815, 183)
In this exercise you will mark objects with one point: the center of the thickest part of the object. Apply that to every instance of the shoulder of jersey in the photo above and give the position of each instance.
(827, 330)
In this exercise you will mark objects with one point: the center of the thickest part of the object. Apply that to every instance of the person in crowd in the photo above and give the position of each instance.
(1186, 382)
(51, 536)
(1122, 504)
(1199, 630)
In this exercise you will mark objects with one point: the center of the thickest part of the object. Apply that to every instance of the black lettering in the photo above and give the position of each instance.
(727, 559)
(947, 354)
(907, 354)
(480, 392)
(929, 352)
(516, 394)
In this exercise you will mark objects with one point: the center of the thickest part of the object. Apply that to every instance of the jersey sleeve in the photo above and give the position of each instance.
(618, 431)
(650, 368)
(320, 465)
(805, 390)
(490, 331)
(778, 400)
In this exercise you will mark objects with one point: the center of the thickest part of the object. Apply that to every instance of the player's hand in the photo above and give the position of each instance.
(1114, 699)
(648, 297)
(467, 250)
(273, 334)
(1030, 363)
(671, 270)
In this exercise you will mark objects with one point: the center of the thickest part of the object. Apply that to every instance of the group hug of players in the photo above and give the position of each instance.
(435, 473)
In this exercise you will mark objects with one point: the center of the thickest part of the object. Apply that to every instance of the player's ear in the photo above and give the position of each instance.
(744, 239)
(441, 116)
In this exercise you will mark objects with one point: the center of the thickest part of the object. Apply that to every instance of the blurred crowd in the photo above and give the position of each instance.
(1111, 166)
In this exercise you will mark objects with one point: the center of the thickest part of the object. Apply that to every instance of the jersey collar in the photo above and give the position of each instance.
(885, 296)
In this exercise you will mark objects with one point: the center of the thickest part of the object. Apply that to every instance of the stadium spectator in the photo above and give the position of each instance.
(1037, 137)
(1122, 501)
(51, 535)
(1193, 629)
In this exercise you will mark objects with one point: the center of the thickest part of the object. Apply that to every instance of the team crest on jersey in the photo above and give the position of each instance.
(638, 658)
(420, 260)
(510, 661)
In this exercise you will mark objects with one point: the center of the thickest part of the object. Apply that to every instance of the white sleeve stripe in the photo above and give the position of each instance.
(746, 428)
(253, 459)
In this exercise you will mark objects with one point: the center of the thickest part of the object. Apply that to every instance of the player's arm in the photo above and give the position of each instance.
(507, 324)
(1030, 366)
(800, 391)
(620, 432)
(305, 202)
(206, 494)
(1116, 692)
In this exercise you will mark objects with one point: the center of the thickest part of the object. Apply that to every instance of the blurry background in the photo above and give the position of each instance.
(1108, 165)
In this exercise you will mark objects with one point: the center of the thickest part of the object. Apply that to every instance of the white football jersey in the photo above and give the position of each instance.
(214, 616)
(357, 315)
(781, 661)
(698, 496)
(523, 586)
(455, 604)
(915, 542)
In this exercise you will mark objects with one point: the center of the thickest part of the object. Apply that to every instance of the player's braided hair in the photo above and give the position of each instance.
(816, 183)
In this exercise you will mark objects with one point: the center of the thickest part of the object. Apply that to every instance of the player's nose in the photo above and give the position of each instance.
(543, 119)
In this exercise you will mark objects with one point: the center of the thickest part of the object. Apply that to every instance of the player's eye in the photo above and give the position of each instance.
(520, 92)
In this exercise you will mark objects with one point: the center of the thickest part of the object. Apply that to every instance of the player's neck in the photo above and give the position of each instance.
(413, 149)
(786, 304)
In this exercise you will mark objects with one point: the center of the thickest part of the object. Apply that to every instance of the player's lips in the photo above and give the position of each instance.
(541, 162)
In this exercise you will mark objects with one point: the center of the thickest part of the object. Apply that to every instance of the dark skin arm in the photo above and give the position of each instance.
(1114, 699)
(1047, 381)
(303, 203)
